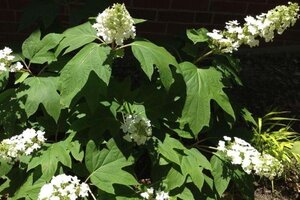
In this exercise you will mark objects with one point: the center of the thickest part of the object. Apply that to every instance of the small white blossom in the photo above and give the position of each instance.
(63, 187)
(161, 195)
(115, 25)
(150, 194)
(240, 152)
(13, 148)
(137, 128)
(264, 25)
(6, 61)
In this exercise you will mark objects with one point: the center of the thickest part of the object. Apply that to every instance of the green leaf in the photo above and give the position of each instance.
(41, 90)
(138, 21)
(189, 167)
(221, 177)
(30, 45)
(21, 76)
(174, 179)
(149, 54)
(4, 167)
(296, 148)
(49, 159)
(186, 194)
(166, 148)
(76, 37)
(76, 72)
(29, 190)
(197, 35)
(106, 166)
(200, 159)
(203, 85)
(76, 151)
(38, 51)
(3, 79)
(247, 115)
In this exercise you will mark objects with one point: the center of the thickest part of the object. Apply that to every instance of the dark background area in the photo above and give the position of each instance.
(165, 17)
(271, 73)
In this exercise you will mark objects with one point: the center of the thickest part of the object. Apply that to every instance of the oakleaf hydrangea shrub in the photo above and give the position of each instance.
(24, 144)
(114, 25)
(64, 187)
(264, 25)
(150, 193)
(240, 152)
(137, 129)
(109, 138)
(7, 60)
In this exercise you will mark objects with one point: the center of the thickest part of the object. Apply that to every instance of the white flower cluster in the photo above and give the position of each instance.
(13, 148)
(137, 129)
(63, 187)
(150, 194)
(278, 19)
(115, 25)
(6, 61)
(240, 152)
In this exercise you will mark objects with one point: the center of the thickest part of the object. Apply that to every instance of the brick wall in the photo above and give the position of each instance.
(165, 17)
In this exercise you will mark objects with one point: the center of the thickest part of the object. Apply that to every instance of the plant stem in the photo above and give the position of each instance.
(93, 196)
(203, 56)
(123, 46)
(272, 183)
(128, 107)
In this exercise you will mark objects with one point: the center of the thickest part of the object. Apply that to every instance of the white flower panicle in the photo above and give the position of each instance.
(240, 152)
(6, 61)
(13, 148)
(265, 25)
(150, 194)
(115, 25)
(64, 187)
(137, 128)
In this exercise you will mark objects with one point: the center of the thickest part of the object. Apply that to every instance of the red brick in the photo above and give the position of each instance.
(297, 26)
(175, 16)
(3, 4)
(290, 35)
(8, 27)
(228, 7)
(151, 3)
(18, 4)
(258, 8)
(7, 15)
(250, 1)
(143, 14)
(152, 27)
(279, 2)
(175, 28)
(220, 19)
(204, 18)
(197, 5)
(291, 42)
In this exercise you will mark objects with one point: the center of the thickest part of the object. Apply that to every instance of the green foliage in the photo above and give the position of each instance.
(220, 175)
(197, 35)
(34, 95)
(274, 135)
(93, 106)
(106, 167)
(50, 158)
(149, 54)
(76, 37)
(203, 85)
(37, 51)
(76, 72)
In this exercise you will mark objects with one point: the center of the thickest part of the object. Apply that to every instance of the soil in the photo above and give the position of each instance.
(280, 194)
